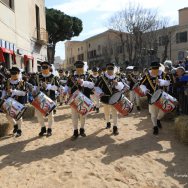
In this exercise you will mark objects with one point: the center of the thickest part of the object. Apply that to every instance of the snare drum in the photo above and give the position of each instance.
(43, 103)
(81, 103)
(13, 108)
(138, 90)
(121, 103)
(163, 101)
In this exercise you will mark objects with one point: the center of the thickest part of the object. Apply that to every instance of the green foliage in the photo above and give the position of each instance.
(60, 26)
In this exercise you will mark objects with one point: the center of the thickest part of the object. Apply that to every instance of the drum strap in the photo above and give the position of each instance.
(105, 81)
(8, 86)
(38, 83)
(133, 79)
(52, 81)
(150, 82)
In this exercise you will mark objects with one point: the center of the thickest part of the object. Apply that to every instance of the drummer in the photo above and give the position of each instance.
(107, 85)
(2, 86)
(133, 78)
(78, 81)
(94, 77)
(15, 88)
(62, 82)
(48, 84)
(153, 81)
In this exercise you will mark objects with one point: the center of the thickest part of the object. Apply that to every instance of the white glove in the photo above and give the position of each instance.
(119, 86)
(18, 93)
(164, 82)
(143, 89)
(88, 84)
(51, 87)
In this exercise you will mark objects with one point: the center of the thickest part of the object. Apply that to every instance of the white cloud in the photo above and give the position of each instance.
(76, 7)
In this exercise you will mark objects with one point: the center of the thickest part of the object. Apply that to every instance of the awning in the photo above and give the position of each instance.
(27, 58)
(4, 50)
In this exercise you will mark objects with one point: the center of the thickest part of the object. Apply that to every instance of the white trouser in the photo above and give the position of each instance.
(61, 98)
(134, 96)
(107, 109)
(75, 116)
(96, 100)
(41, 118)
(156, 114)
(13, 122)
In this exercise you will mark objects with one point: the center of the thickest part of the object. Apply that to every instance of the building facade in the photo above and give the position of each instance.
(107, 47)
(96, 50)
(23, 35)
(58, 63)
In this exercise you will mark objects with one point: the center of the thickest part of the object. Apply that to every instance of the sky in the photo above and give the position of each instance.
(95, 13)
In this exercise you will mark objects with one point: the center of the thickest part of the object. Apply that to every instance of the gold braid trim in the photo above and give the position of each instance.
(150, 82)
(110, 89)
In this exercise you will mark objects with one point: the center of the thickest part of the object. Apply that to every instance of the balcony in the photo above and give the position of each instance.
(42, 36)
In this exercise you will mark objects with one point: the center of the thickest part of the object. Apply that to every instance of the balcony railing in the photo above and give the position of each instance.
(42, 36)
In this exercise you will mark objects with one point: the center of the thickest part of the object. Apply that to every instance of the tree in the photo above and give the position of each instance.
(60, 27)
(135, 24)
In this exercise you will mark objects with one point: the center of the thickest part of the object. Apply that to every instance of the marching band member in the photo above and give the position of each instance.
(1, 85)
(107, 85)
(153, 81)
(134, 78)
(62, 82)
(48, 84)
(78, 81)
(15, 87)
(94, 78)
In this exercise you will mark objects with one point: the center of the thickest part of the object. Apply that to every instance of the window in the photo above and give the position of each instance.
(181, 55)
(163, 40)
(181, 37)
(37, 21)
(81, 57)
(119, 49)
(9, 3)
(92, 54)
(99, 48)
(111, 51)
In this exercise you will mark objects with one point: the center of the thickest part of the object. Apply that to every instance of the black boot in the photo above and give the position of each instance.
(60, 104)
(138, 108)
(155, 130)
(159, 124)
(97, 110)
(54, 111)
(115, 130)
(49, 132)
(18, 133)
(75, 135)
(15, 128)
(108, 125)
(82, 132)
(43, 130)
